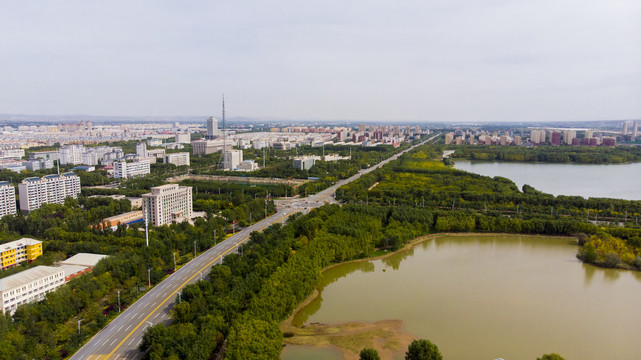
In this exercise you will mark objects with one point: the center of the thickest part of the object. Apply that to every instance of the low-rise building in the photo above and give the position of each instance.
(79, 264)
(136, 202)
(248, 165)
(304, 163)
(18, 251)
(124, 219)
(29, 286)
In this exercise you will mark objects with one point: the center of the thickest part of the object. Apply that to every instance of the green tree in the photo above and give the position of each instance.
(552, 356)
(423, 349)
(369, 354)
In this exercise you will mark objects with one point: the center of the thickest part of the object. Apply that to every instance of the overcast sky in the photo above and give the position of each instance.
(449, 60)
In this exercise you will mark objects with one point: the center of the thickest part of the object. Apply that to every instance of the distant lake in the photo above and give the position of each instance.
(485, 297)
(618, 181)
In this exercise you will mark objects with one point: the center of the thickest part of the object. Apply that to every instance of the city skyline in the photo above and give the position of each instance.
(438, 62)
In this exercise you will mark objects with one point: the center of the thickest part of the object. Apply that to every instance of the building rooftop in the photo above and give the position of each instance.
(17, 243)
(27, 276)
(124, 215)
(31, 179)
(85, 259)
(4, 183)
(73, 269)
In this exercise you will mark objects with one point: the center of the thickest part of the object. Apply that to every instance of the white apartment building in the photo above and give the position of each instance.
(232, 159)
(12, 153)
(568, 136)
(167, 204)
(178, 159)
(141, 149)
(125, 170)
(7, 199)
(183, 138)
(37, 164)
(71, 154)
(49, 189)
(537, 136)
(29, 286)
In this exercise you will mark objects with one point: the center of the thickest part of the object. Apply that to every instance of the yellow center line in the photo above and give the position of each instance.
(174, 293)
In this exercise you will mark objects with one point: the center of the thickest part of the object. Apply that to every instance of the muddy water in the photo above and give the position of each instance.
(485, 297)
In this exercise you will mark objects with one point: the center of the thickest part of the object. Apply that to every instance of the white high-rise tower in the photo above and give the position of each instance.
(212, 127)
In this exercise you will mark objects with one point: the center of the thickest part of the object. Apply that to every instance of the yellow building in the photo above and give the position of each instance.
(15, 252)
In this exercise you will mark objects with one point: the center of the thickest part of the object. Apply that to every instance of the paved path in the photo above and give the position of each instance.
(120, 339)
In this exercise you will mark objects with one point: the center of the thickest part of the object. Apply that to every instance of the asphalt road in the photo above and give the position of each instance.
(120, 339)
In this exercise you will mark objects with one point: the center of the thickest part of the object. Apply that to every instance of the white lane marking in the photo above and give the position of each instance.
(113, 342)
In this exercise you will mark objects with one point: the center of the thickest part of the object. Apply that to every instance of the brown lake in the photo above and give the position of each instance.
(487, 297)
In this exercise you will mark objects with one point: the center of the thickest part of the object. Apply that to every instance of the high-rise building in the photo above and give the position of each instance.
(517, 140)
(231, 159)
(126, 170)
(609, 141)
(555, 138)
(141, 149)
(537, 137)
(625, 128)
(635, 129)
(212, 128)
(50, 189)
(7, 199)
(167, 204)
(361, 128)
(178, 159)
(449, 137)
(568, 135)
(18, 251)
(71, 154)
(29, 286)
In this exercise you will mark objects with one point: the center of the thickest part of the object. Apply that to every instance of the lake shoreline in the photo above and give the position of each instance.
(386, 336)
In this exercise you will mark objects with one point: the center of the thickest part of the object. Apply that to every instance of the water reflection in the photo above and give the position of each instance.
(394, 261)
(330, 276)
(523, 295)
(589, 273)
(611, 275)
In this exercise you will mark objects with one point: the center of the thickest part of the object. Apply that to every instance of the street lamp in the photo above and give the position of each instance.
(149, 277)
(118, 300)
(179, 297)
